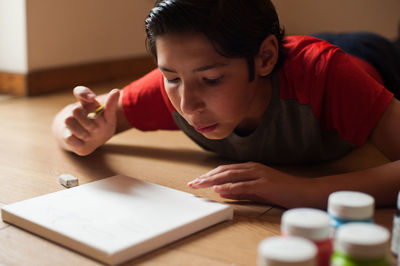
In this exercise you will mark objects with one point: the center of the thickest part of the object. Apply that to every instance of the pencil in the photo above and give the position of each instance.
(96, 113)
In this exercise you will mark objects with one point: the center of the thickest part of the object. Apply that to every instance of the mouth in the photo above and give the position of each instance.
(205, 129)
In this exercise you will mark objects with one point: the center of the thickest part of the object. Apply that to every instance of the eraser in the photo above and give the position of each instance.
(68, 181)
(96, 113)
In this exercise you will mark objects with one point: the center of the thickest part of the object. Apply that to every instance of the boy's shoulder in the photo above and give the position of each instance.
(309, 58)
(300, 42)
(307, 48)
(306, 68)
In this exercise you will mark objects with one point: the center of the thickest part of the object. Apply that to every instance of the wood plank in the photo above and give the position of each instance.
(31, 161)
(55, 79)
(2, 224)
(237, 240)
(173, 257)
(167, 158)
(12, 83)
(164, 157)
(171, 159)
(384, 217)
(50, 80)
(19, 247)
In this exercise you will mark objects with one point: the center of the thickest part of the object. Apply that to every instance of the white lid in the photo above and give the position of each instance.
(309, 223)
(351, 205)
(398, 200)
(362, 240)
(286, 251)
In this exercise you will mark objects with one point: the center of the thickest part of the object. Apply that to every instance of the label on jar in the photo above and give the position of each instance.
(396, 235)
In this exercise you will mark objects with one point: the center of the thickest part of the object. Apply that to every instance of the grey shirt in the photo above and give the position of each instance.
(289, 133)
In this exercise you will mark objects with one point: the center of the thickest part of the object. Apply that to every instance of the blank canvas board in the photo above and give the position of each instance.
(117, 218)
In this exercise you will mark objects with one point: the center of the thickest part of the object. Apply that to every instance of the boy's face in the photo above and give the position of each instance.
(211, 92)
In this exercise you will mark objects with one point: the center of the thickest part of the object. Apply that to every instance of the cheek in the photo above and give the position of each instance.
(233, 98)
(174, 97)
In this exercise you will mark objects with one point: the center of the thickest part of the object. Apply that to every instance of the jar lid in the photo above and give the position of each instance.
(398, 201)
(309, 223)
(362, 240)
(286, 251)
(351, 205)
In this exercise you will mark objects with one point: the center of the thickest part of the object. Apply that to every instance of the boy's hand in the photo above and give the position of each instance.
(252, 181)
(76, 132)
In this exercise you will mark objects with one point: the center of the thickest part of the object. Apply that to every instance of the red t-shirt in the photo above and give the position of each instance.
(345, 93)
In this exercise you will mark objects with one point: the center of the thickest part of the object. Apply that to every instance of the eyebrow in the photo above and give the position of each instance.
(203, 68)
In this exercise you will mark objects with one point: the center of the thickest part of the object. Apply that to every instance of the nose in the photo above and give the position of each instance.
(191, 99)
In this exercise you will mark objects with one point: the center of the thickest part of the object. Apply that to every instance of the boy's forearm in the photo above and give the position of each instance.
(382, 182)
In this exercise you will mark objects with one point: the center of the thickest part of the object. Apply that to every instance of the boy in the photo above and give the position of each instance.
(232, 83)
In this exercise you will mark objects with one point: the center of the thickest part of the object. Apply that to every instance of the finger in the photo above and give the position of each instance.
(228, 176)
(239, 191)
(77, 129)
(86, 97)
(227, 167)
(71, 141)
(111, 105)
(80, 115)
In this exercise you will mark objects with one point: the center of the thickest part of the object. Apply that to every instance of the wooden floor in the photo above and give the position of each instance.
(31, 161)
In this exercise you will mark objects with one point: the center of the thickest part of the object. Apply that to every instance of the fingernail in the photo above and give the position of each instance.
(203, 176)
(217, 188)
(80, 89)
(191, 184)
(195, 182)
(67, 133)
(90, 96)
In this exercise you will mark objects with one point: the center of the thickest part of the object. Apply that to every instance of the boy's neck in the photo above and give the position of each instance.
(259, 107)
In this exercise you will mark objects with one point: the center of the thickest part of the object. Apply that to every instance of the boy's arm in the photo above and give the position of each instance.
(258, 182)
(141, 104)
(386, 135)
(383, 182)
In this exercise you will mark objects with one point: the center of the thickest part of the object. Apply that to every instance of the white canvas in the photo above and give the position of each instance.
(117, 218)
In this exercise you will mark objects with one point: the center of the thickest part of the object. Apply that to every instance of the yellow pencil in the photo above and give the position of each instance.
(96, 113)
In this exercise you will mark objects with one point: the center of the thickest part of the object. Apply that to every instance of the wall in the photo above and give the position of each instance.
(308, 16)
(47, 34)
(69, 32)
(13, 56)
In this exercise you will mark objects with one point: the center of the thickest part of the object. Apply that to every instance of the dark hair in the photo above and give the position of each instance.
(236, 28)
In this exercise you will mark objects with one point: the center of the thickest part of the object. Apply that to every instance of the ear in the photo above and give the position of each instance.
(267, 56)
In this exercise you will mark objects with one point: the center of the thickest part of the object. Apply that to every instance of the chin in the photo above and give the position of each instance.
(216, 135)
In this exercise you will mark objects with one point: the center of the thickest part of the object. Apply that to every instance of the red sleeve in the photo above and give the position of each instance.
(344, 96)
(146, 105)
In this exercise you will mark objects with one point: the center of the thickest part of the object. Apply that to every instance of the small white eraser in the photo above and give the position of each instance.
(68, 181)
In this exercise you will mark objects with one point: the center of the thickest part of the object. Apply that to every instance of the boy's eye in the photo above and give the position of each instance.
(175, 80)
(213, 81)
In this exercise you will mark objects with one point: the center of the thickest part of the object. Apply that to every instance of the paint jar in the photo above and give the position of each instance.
(361, 244)
(350, 206)
(286, 251)
(313, 225)
(396, 230)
